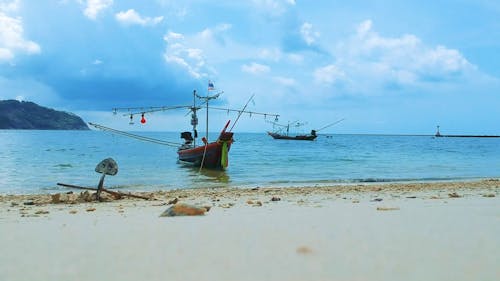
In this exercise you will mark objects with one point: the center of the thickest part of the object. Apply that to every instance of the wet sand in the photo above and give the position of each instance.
(397, 231)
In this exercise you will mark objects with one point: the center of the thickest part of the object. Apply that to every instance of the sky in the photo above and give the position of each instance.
(386, 67)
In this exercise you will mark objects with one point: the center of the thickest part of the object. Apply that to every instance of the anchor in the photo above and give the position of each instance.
(107, 166)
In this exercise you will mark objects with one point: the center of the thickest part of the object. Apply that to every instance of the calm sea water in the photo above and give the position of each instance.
(34, 161)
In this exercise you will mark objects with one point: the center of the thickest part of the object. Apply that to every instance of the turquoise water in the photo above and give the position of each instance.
(34, 161)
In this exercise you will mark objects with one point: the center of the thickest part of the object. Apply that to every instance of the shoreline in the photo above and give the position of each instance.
(71, 195)
(389, 231)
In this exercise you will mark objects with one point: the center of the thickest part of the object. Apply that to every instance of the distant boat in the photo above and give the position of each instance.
(309, 137)
(282, 132)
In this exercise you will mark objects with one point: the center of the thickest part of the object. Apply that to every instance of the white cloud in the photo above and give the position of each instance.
(255, 68)
(131, 17)
(273, 7)
(379, 61)
(308, 34)
(285, 81)
(94, 7)
(9, 7)
(172, 36)
(273, 54)
(210, 33)
(190, 52)
(190, 59)
(328, 74)
(12, 38)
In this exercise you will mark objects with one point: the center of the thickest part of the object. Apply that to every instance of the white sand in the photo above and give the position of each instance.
(315, 236)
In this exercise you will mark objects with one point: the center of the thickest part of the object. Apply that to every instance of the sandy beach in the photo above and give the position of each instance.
(396, 231)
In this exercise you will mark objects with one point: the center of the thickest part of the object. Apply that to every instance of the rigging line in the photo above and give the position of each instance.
(134, 136)
(163, 108)
(329, 125)
(244, 111)
(241, 112)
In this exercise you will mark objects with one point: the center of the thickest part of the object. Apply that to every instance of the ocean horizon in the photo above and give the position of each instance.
(34, 161)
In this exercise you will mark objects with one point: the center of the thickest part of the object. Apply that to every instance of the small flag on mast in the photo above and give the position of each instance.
(210, 86)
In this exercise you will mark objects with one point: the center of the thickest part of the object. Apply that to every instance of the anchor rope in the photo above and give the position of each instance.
(203, 158)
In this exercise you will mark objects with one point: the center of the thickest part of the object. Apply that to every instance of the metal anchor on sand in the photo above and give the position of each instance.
(107, 166)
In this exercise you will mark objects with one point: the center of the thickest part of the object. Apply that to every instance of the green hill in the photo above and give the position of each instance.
(30, 116)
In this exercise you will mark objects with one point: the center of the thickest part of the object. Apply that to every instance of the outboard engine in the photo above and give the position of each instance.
(187, 136)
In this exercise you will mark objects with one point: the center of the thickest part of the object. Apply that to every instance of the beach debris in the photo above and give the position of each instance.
(376, 200)
(90, 209)
(304, 250)
(454, 195)
(173, 201)
(182, 209)
(226, 205)
(55, 198)
(254, 203)
(355, 201)
(489, 195)
(41, 212)
(107, 166)
(29, 203)
(411, 197)
(387, 208)
(256, 188)
(73, 212)
(275, 198)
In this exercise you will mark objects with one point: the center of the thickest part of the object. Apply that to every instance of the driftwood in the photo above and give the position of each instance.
(114, 193)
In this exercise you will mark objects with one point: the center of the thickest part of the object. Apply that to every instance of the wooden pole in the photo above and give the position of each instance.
(116, 193)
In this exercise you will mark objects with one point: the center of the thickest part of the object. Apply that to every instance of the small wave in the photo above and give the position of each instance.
(63, 166)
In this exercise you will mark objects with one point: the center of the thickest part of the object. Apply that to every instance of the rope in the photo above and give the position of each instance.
(203, 158)
(134, 136)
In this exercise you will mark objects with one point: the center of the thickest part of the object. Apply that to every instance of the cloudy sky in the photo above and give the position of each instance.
(385, 66)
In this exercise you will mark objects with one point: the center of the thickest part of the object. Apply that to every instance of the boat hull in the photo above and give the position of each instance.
(214, 155)
(297, 137)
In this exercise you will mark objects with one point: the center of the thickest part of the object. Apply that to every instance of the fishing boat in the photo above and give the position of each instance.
(309, 137)
(210, 155)
(282, 132)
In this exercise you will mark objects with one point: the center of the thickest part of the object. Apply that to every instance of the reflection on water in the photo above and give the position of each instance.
(206, 177)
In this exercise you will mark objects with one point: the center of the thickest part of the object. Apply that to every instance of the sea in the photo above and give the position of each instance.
(34, 161)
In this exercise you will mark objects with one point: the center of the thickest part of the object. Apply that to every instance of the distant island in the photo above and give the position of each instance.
(30, 116)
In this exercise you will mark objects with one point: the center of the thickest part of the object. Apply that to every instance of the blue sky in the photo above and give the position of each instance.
(385, 66)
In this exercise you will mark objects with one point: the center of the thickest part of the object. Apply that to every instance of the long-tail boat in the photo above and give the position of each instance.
(211, 155)
(282, 132)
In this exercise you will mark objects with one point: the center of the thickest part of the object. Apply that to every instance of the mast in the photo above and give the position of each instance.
(207, 98)
(194, 118)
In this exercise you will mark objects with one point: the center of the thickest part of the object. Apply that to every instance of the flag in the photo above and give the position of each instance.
(210, 86)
